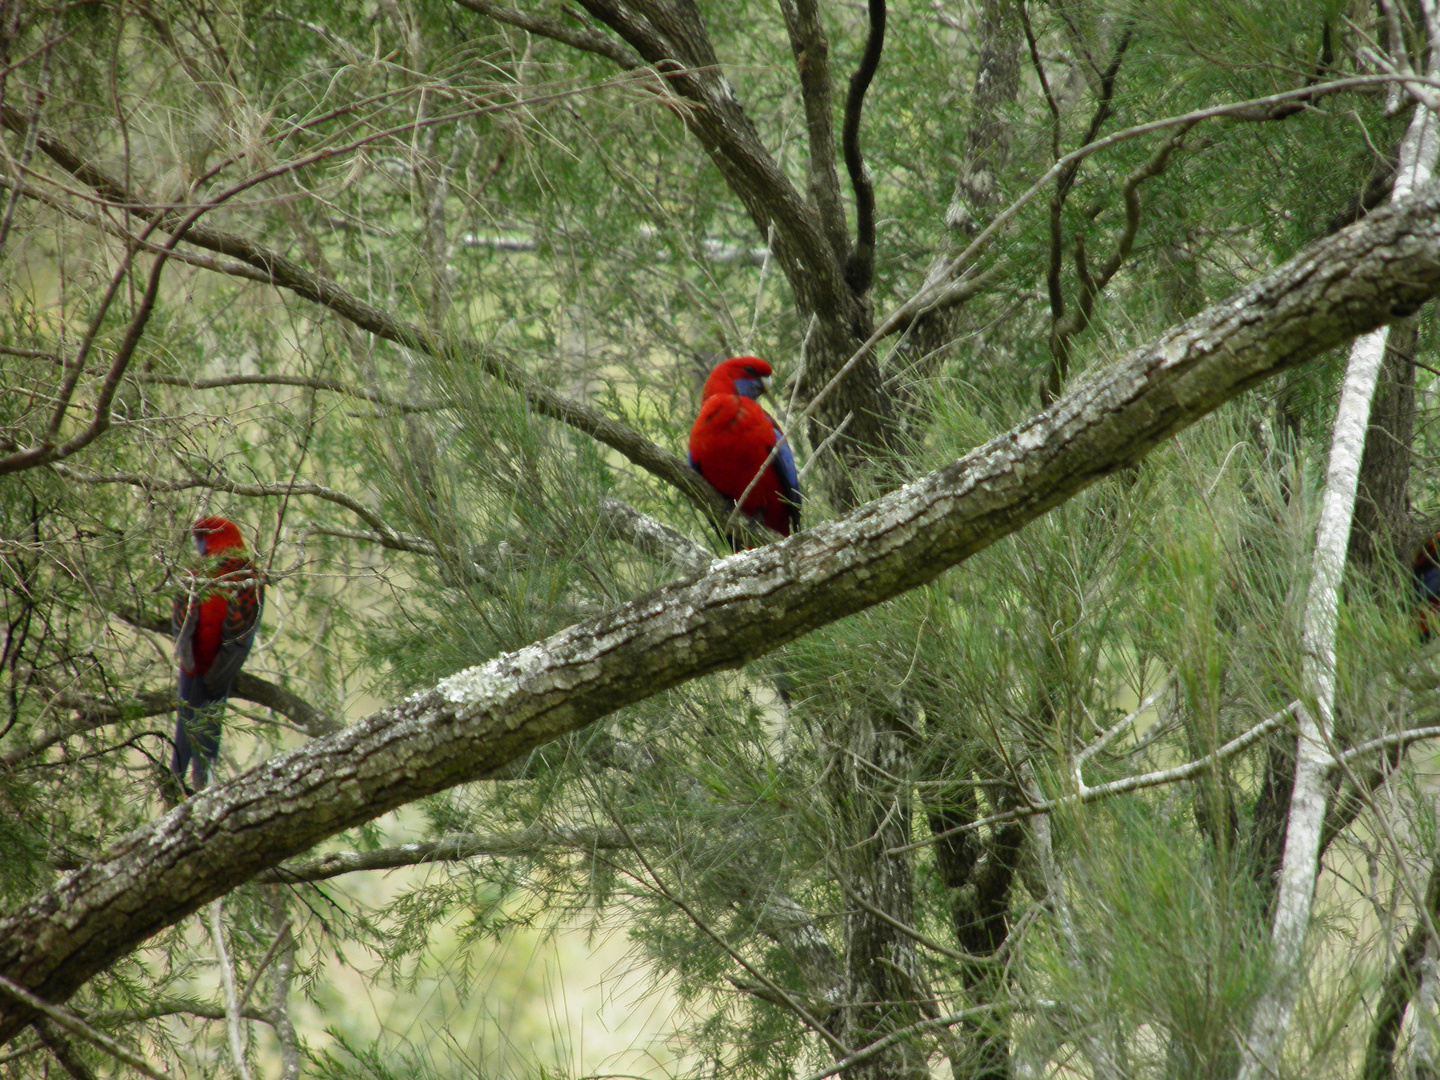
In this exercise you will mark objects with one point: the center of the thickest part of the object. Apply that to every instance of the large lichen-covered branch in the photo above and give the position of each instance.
(478, 720)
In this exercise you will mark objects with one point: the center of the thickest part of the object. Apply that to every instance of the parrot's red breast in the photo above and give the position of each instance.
(732, 439)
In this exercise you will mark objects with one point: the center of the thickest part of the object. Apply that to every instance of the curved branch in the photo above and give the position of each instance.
(1064, 180)
(283, 488)
(671, 38)
(303, 382)
(1125, 785)
(73, 1024)
(457, 847)
(1065, 328)
(860, 266)
(92, 713)
(940, 283)
(475, 722)
(308, 718)
(105, 224)
(48, 449)
(112, 1018)
(555, 30)
(654, 537)
(64, 1053)
(936, 1023)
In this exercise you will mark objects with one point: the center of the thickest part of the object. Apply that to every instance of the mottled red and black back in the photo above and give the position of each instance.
(214, 631)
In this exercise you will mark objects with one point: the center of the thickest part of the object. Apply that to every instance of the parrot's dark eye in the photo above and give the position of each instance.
(750, 370)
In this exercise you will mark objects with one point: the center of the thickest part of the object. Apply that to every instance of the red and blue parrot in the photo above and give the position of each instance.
(1425, 579)
(214, 622)
(732, 437)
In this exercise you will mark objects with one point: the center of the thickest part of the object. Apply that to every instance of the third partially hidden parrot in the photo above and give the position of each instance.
(1425, 580)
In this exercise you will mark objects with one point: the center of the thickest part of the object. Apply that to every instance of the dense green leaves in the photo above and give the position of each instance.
(796, 846)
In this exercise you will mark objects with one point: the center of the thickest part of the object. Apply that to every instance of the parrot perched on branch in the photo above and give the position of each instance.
(733, 436)
(214, 622)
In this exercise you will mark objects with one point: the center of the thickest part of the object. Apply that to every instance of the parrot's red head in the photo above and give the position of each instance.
(213, 535)
(748, 376)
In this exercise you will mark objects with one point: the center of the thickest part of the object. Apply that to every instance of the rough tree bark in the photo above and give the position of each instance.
(476, 721)
(874, 816)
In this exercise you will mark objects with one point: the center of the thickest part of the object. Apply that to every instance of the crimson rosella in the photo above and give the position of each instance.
(214, 621)
(1425, 579)
(733, 436)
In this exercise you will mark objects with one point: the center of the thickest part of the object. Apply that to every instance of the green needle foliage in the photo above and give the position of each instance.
(424, 224)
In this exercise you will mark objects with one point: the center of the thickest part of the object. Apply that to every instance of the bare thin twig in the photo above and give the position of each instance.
(654, 537)
(936, 284)
(73, 1024)
(64, 1053)
(227, 981)
(149, 482)
(777, 993)
(286, 273)
(1118, 787)
(907, 1032)
(457, 847)
(282, 938)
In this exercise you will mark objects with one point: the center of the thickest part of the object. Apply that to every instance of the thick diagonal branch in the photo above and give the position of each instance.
(475, 722)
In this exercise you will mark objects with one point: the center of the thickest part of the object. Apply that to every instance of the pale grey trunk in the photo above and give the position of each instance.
(1310, 789)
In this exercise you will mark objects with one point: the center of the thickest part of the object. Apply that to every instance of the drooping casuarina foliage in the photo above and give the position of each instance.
(988, 772)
